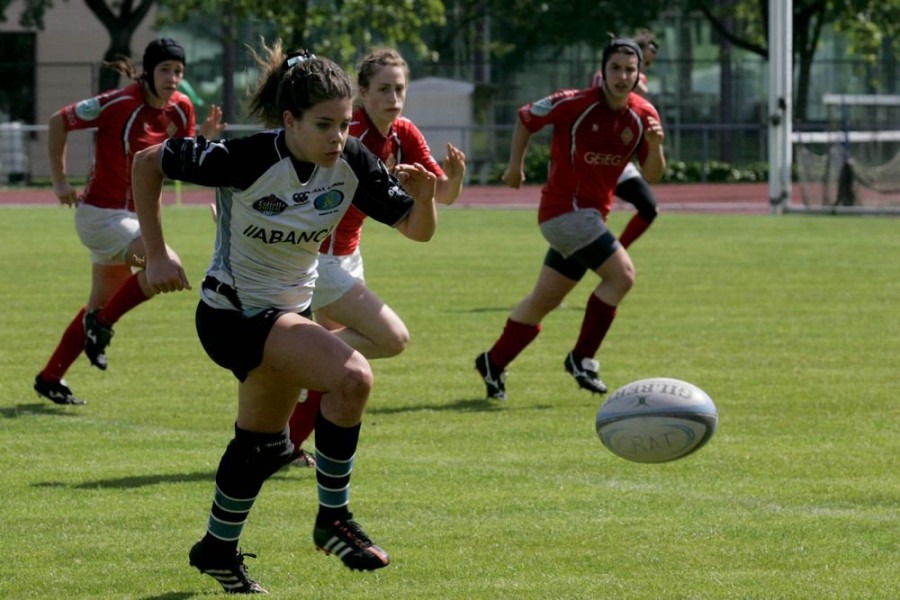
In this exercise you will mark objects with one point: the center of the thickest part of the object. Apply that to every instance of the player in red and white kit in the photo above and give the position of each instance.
(596, 131)
(342, 302)
(631, 187)
(127, 120)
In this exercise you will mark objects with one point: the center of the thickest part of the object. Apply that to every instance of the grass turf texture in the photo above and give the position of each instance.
(789, 323)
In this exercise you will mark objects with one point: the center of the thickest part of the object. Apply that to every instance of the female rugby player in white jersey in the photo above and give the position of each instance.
(280, 193)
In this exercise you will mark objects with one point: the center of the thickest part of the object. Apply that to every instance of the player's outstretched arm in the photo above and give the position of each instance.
(164, 270)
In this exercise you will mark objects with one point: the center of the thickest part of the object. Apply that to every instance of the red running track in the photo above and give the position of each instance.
(744, 198)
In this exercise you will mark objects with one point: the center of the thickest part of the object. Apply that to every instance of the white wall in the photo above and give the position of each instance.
(69, 51)
(442, 109)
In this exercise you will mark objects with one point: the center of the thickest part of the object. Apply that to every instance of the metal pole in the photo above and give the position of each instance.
(781, 28)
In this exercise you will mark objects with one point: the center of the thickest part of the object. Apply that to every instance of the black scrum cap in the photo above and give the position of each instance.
(614, 45)
(159, 51)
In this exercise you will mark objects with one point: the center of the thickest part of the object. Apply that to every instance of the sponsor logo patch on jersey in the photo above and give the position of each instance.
(329, 200)
(542, 107)
(271, 205)
(88, 110)
(603, 159)
(278, 236)
(300, 198)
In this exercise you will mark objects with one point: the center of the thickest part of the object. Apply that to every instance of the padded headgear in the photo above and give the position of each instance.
(613, 46)
(159, 51)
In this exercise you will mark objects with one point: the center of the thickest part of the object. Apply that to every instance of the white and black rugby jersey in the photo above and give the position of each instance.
(274, 211)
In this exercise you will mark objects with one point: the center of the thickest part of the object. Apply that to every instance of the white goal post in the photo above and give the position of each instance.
(781, 114)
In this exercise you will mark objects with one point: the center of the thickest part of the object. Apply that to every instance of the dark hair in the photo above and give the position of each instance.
(294, 83)
(645, 39)
(374, 60)
(124, 67)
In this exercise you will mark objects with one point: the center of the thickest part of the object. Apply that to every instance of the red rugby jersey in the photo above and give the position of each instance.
(404, 144)
(590, 147)
(125, 124)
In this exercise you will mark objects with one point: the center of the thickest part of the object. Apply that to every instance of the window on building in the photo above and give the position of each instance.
(17, 72)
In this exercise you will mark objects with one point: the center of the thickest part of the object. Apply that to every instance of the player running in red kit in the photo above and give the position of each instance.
(631, 187)
(127, 120)
(596, 131)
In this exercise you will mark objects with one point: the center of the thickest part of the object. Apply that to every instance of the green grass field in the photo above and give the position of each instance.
(791, 324)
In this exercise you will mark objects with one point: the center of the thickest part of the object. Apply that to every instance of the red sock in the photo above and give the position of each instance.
(515, 337)
(635, 229)
(303, 419)
(598, 317)
(68, 349)
(126, 297)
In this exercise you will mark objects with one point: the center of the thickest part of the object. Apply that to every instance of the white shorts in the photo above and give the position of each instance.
(631, 171)
(337, 275)
(107, 232)
(570, 232)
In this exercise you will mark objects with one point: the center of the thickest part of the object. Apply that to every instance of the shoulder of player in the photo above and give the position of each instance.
(560, 100)
(635, 100)
(128, 96)
(406, 129)
(182, 100)
(260, 148)
(642, 106)
(354, 150)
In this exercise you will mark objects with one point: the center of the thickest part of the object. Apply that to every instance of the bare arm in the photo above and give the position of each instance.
(514, 174)
(654, 165)
(57, 144)
(164, 270)
(454, 166)
(419, 183)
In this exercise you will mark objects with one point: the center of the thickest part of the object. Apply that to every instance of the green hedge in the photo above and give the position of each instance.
(538, 158)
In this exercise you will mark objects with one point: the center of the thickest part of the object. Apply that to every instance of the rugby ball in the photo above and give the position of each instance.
(656, 420)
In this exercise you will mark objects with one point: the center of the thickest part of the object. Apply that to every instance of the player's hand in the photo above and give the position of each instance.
(454, 164)
(65, 193)
(213, 125)
(655, 134)
(165, 274)
(418, 181)
(513, 177)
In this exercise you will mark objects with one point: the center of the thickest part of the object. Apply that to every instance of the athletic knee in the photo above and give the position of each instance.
(623, 279)
(627, 279)
(355, 384)
(395, 343)
(636, 191)
(648, 212)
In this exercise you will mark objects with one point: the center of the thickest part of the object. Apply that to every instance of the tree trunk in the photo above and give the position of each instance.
(121, 28)
(119, 47)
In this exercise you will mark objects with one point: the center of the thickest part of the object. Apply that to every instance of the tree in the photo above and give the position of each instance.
(121, 18)
(521, 28)
(338, 29)
(865, 23)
